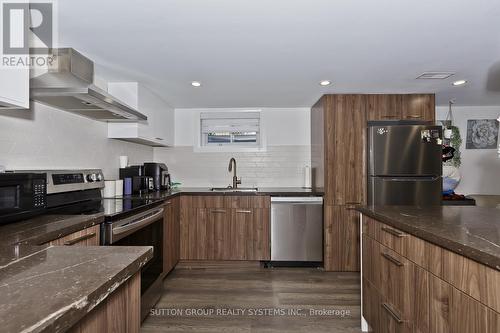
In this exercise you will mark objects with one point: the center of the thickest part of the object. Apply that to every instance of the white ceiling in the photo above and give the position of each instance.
(273, 53)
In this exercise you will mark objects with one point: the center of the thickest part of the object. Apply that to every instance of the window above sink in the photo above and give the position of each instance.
(230, 131)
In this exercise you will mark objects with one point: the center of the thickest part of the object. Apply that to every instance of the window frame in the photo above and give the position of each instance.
(199, 147)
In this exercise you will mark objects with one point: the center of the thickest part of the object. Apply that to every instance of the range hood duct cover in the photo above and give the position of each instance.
(68, 85)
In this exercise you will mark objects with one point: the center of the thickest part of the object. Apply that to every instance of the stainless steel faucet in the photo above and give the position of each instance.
(236, 181)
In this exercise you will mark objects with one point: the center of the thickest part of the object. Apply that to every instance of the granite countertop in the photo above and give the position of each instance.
(272, 191)
(49, 289)
(473, 232)
(45, 228)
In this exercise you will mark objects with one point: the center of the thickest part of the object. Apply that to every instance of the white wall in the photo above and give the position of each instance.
(480, 167)
(287, 134)
(287, 127)
(47, 138)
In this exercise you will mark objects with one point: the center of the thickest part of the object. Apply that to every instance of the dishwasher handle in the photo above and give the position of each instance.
(298, 200)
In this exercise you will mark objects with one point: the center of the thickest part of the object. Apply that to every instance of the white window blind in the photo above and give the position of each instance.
(230, 129)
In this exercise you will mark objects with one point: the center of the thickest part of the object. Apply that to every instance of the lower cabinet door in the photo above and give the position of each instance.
(171, 235)
(341, 248)
(218, 237)
(249, 230)
(371, 306)
(451, 311)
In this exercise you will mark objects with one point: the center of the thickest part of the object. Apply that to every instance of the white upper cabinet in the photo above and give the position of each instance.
(157, 131)
(14, 76)
(14, 88)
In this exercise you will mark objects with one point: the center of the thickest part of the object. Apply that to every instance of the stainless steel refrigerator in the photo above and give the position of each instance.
(405, 165)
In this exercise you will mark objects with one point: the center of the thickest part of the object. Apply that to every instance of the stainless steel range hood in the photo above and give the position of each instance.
(68, 85)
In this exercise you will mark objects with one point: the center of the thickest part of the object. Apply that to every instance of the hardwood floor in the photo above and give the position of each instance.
(261, 300)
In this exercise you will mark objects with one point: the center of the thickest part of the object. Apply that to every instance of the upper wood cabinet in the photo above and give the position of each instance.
(344, 148)
(384, 107)
(419, 107)
(401, 107)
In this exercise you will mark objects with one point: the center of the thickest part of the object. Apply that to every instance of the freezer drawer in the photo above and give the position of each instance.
(297, 229)
(405, 191)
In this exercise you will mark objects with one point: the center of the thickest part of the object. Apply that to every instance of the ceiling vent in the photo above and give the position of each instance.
(435, 75)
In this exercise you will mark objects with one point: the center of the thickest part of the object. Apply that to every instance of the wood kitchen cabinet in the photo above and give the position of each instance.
(120, 312)
(401, 107)
(225, 228)
(338, 141)
(341, 251)
(419, 107)
(338, 159)
(385, 107)
(86, 237)
(345, 140)
(423, 288)
(171, 232)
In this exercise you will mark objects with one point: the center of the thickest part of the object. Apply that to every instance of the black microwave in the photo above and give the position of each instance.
(22, 195)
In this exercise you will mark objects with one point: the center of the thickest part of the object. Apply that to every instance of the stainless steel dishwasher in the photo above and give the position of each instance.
(297, 229)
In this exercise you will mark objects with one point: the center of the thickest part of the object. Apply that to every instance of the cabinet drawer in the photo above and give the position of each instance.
(247, 201)
(390, 237)
(391, 320)
(86, 237)
(203, 201)
(422, 253)
(391, 274)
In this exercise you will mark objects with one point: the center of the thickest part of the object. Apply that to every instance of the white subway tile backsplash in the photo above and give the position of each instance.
(279, 166)
(46, 138)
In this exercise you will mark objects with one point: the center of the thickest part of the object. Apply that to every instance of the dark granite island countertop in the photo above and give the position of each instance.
(45, 228)
(473, 232)
(49, 289)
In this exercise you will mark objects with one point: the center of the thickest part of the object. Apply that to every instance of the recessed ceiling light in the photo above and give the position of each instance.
(459, 82)
(196, 84)
(325, 83)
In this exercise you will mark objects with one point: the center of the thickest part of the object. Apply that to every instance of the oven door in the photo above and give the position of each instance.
(143, 229)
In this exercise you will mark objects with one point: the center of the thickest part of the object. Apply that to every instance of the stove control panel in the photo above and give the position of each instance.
(74, 180)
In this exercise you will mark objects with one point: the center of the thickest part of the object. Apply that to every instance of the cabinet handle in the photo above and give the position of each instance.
(353, 203)
(244, 211)
(168, 203)
(392, 313)
(393, 232)
(415, 116)
(388, 116)
(221, 211)
(392, 259)
(79, 239)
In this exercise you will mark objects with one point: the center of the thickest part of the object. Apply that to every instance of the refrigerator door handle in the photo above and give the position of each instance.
(410, 179)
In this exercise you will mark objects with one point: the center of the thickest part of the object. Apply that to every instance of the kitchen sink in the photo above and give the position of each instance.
(230, 189)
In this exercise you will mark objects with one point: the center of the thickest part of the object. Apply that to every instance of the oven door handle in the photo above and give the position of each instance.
(139, 223)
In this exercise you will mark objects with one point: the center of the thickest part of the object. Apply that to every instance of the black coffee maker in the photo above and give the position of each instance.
(160, 175)
(141, 183)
